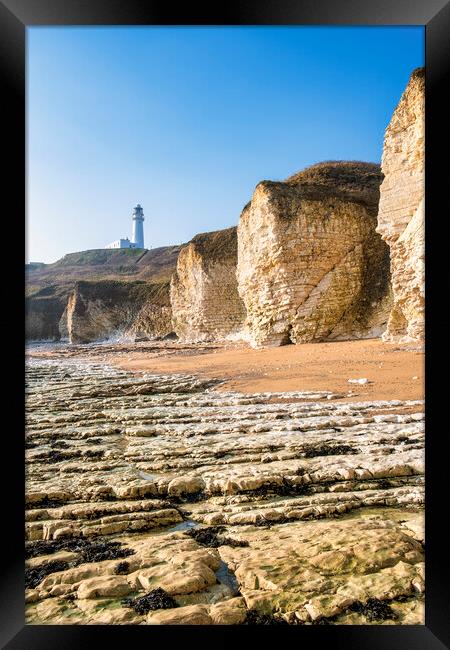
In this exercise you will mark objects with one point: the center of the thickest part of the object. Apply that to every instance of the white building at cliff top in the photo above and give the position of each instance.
(137, 237)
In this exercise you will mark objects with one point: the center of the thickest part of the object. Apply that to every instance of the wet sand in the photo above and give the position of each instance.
(394, 371)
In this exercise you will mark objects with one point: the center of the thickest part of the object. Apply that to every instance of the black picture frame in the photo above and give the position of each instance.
(15, 17)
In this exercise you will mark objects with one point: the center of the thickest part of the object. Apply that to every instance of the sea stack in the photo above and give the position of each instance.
(204, 295)
(311, 266)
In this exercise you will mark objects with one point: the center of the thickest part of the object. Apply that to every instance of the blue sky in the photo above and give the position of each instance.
(186, 121)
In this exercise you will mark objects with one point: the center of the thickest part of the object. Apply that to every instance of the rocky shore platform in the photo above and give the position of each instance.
(168, 498)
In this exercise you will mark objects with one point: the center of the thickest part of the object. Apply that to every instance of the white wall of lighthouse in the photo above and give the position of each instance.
(137, 237)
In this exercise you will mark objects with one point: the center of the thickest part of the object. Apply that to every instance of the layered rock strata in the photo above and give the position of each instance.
(401, 218)
(44, 311)
(204, 295)
(48, 286)
(105, 309)
(311, 266)
(241, 508)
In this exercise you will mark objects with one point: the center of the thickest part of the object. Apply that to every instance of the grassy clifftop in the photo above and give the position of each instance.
(348, 180)
(156, 265)
(216, 245)
(353, 181)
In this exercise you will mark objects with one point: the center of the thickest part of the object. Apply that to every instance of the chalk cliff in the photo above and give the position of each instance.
(401, 210)
(43, 312)
(311, 266)
(204, 295)
(106, 309)
(49, 286)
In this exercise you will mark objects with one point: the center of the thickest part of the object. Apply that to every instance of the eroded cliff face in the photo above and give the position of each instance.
(401, 210)
(204, 295)
(44, 310)
(105, 309)
(311, 266)
(48, 286)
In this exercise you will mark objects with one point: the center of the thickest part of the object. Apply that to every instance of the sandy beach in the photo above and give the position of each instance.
(394, 371)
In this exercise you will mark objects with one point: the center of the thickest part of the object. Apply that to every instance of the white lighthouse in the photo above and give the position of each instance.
(137, 237)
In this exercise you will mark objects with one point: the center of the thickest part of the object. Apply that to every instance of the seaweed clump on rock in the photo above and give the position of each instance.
(312, 451)
(35, 575)
(155, 599)
(213, 537)
(121, 568)
(89, 551)
(256, 618)
(374, 610)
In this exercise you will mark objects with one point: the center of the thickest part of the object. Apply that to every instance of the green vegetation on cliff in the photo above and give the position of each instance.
(107, 272)
(216, 245)
(156, 265)
(355, 181)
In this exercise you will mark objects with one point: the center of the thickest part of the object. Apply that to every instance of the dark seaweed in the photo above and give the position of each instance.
(374, 610)
(57, 456)
(89, 551)
(285, 489)
(122, 567)
(45, 503)
(311, 451)
(212, 536)
(406, 440)
(384, 484)
(35, 575)
(62, 444)
(220, 454)
(255, 618)
(194, 497)
(93, 453)
(155, 599)
(96, 552)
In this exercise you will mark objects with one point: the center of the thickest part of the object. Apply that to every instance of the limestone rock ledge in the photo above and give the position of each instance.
(311, 266)
(242, 509)
(203, 292)
(401, 210)
(100, 310)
